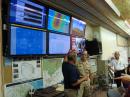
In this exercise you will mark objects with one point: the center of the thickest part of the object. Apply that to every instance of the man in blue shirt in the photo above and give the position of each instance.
(71, 75)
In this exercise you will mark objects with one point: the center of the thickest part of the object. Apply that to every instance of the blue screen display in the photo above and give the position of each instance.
(77, 27)
(27, 13)
(58, 44)
(27, 41)
(58, 21)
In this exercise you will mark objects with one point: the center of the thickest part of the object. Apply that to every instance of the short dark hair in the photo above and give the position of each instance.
(72, 56)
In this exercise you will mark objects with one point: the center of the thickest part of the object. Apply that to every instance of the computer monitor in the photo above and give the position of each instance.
(78, 27)
(58, 43)
(58, 22)
(24, 41)
(27, 13)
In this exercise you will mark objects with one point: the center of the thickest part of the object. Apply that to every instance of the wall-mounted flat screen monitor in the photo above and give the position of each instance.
(78, 27)
(24, 41)
(58, 21)
(27, 13)
(78, 44)
(58, 44)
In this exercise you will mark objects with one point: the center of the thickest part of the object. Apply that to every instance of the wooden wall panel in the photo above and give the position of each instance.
(1, 58)
(7, 74)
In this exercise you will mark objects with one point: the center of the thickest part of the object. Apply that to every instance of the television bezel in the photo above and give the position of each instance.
(59, 55)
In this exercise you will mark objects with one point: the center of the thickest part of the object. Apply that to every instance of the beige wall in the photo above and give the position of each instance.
(129, 51)
(89, 32)
(96, 33)
(129, 47)
(121, 41)
(1, 63)
(110, 44)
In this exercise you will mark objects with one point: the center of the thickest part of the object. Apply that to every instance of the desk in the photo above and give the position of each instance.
(47, 92)
(54, 94)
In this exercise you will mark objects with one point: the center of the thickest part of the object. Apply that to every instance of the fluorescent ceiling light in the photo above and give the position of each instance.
(112, 5)
(127, 23)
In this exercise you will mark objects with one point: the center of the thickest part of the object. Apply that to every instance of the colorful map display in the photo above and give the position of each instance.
(58, 21)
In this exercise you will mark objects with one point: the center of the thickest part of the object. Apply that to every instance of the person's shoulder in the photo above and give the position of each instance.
(67, 64)
(112, 60)
(64, 64)
(78, 62)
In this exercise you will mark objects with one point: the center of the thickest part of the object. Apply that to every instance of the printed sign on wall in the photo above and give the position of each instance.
(26, 70)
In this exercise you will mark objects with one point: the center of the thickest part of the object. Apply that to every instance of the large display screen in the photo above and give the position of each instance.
(27, 13)
(58, 21)
(27, 41)
(78, 44)
(58, 44)
(78, 27)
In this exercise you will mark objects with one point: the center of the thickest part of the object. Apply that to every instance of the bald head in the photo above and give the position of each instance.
(117, 55)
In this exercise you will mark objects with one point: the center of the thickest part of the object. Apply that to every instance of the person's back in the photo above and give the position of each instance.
(70, 74)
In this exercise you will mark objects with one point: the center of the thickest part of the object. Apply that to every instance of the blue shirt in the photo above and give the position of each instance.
(71, 75)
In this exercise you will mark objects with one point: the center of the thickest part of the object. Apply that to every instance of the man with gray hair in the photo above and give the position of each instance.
(119, 67)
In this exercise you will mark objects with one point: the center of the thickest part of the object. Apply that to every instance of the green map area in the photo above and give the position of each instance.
(51, 65)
